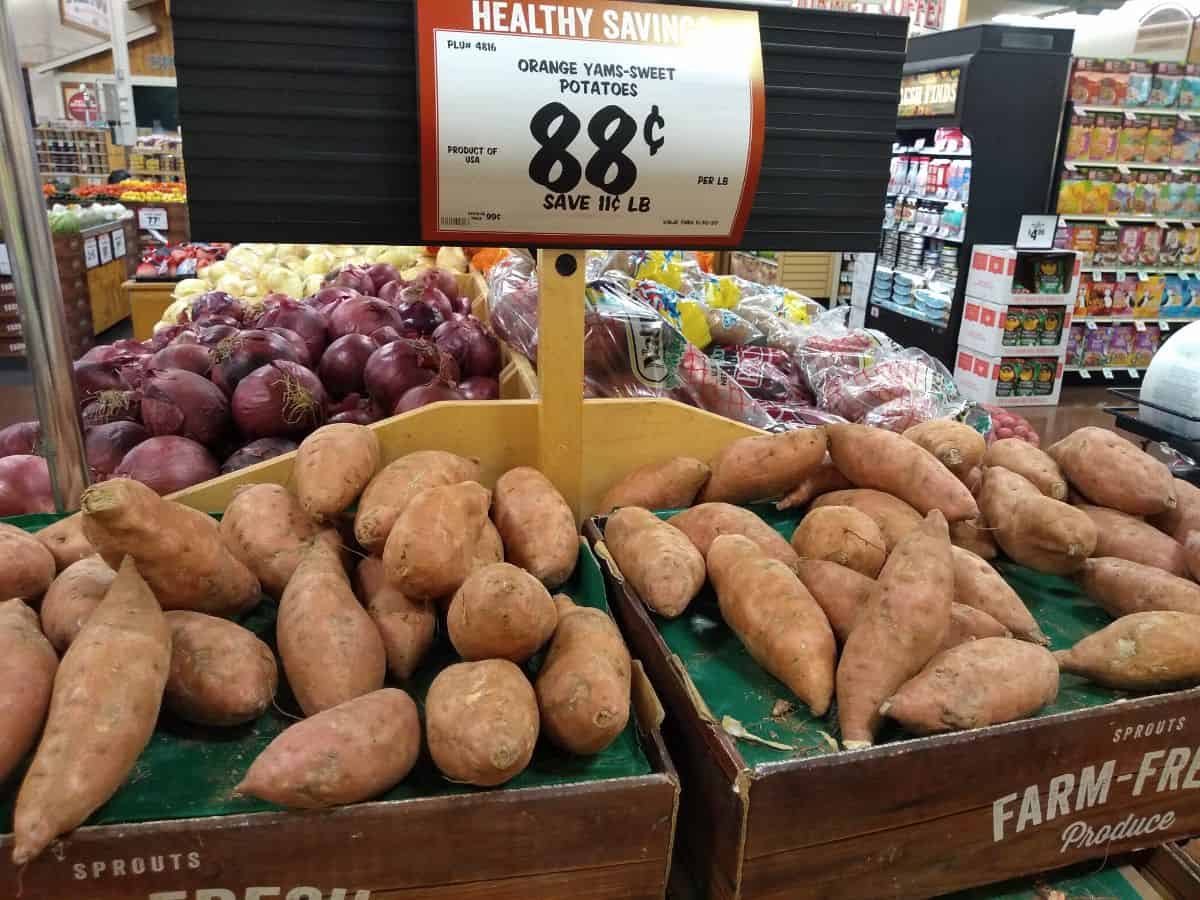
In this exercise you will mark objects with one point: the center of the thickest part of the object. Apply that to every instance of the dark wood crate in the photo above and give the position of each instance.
(920, 817)
(1174, 870)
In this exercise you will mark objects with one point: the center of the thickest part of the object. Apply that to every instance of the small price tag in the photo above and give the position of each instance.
(105, 245)
(874, 312)
(5, 265)
(1188, 226)
(920, 144)
(1164, 326)
(1107, 373)
(1070, 167)
(1142, 276)
(1091, 325)
(118, 243)
(1121, 274)
(1124, 170)
(1139, 325)
(1185, 276)
(1112, 223)
(152, 218)
(1085, 374)
(1163, 223)
(91, 253)
(1133, 373)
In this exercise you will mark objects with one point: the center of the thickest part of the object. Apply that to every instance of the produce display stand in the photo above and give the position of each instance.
(1175, 869)
(147, 300)
(907, 818)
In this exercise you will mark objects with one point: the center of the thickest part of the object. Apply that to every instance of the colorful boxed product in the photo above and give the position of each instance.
(1082, 293)
(1123, 296)
(1131, 142)
(1085, 80)
(1120, 345)
(1097, 192)
(1164, 90)
(1189, 205)
(1174, 293)
(1172, 247)
(1114, 82)
(1179, 187)
(1132, 237)
(1033, 320)
(1152, 237)
(1185, 147)
(1075, 345)
(1145, 194)
(1070, 193)
(1044, 373)
(1108, 246)
(1105, 134)
(1189, 247)
(1145, 345)
(1159, 139)
(1169, 198)
(1189, 87)
(1100, 298)
(1124, 191)
(1147, 301)
(1095, 346)
(1079, 137)
(1082, 239)
(1026, 381)
(1052, 325)
(1141, 82)
(1191, 299)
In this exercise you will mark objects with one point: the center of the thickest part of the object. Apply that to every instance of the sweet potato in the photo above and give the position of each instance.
(28, 565)
(481, 722)
(978, 585)
(353, 751)
(583, 686)
(65, 541)
(658, 560)
(672, 484)
(1191, 550)
(823, 479)
(73, 596)
(840, 592)
(894, 517)
(974, 535)
(537, 526)
(1128, 537)
(1028, 461)
(1146, 651)
(970, 624)
(265, 527)
(885, 461)
(1111, 471)
(1183, 519)
(1033, 529)
(972, 480)
(500, 612)
(389, 492)
(957, 446)
(431, 549)
(179, 554)
(775, 617)
(331, 650)
(333, 465)
(704, 523)
(406, 626)
(221, 674)
(903, 626)
(106, 698)
(1123, 588)
(983, 682)
(842, 535)
(27, 667)
(764, 467)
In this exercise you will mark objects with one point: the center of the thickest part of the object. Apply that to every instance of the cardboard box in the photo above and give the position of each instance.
(1007, 380)
(998, 272)
(999, 329)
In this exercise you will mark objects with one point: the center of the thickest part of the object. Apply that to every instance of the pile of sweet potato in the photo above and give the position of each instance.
(885, 598)
(139, 595)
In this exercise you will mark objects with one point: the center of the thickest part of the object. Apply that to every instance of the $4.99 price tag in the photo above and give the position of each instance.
(568, 123)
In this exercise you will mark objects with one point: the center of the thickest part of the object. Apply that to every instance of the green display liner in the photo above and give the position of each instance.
(733, 684)
(1081, 882)
(188, 771)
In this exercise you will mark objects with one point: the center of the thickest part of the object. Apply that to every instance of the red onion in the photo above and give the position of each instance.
(132, 347)
(362, 315)
(341, 369)
(256, 452)
(216, 303)
(175, 401)
(92, 378)
(441, 279)
(112, 406)
(479, 387)
(106, 445)
(385, 335)
(168, 464)
(101, 353)
(190, 357)
(25, 486)
(295, 342)
(355, 277)
(305, 321)
(433, 297)
(396, 367)
(356, 410)
(419, 318)
(425, 394)
(468, 342)
(281, 399)
(116, 353)
(237, 356)
(173, 334)
(392, 291)
(461, 305)
(381, 274)
(20, 439)
(211, 335)
(326, 300)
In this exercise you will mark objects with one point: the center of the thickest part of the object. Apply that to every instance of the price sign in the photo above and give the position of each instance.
(105, 245)
(5, 265)
(118, 243)
(588, 119)
(152, 218)
(91, 253)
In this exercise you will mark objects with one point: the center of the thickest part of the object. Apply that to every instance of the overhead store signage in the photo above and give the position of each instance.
(929, 94)
(575, 122)
(925, 15)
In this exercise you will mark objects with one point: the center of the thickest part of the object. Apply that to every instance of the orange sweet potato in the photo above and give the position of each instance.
(885, 461)
(1146, 651)
(105, 703)
(974, 535)
(432, 547)
(28, 565)
(1128, 537)
(703, 523)
(500, 612)
(406, 626)
(1111, 471)
(537, 525)
(1028, 461)
(333, 465)
(764, 467)
(73, 596)
(978, 585)
(1191, 549)
(957, 446)
(823, 479)
(672, 484)
(65, 541)
(178, 550)
(775, 617)
(970, 624)
(221, 674)
(1123, 588)
(903, 626)
(266, 528)
(1033, 529)
(658, 560)
(983, 682)
(1183, 519)
(843, 535)
(389, 492)
(348, 753)
(27, 667)
(894, 517)
(842, 593)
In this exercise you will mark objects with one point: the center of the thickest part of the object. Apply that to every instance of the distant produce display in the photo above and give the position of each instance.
(184, 260)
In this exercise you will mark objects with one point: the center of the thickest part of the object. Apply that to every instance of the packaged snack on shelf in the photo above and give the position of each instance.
(1189, 247)
(1083, 238)
(1011, 336)
(1179, 187)
(1026, 373)
(1070, 193)
(1100, 299)
(1174, 293)
(1145, 194)
(1131, 144)
(1075, 344)
(1191, 299)
(1044, 371)
(1114, 82)
(1185, 146)
(1108, 246)
(1007, 377)
(1172, 247)
(1145, 343)
(1123, 192)
(1052, 325)
(1141, 82)
(1053, 275)
(1082, 294)
(1147, 300)
(1123, 294)
(1189, 87)
(1120, 345)
(1189, 206)
(1079, 137)
(1095, 346)
(1103, 145)
(1160, 138)
(1085, 81)
(1167, 201)
(1033, 322)
(1132, 237)
(1152, 238)
(1096, 197)
(1164, 91)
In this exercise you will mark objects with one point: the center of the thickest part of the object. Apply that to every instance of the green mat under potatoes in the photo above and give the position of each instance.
(188, 771)
(733, 684)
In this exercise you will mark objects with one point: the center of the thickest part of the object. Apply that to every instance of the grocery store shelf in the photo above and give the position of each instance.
(934, 234)
(1105, 217)
(1135, 270)
(1151, 320)
(899, 195)
(73, 174)
(926, 151)
(1108, 373)
(1158, 167)
(1140, 110)
(909, 312)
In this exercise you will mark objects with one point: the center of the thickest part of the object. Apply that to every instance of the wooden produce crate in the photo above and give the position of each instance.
(1174, 870)
(109, 303)
(910, 817)
(567, 827)
(147, 301)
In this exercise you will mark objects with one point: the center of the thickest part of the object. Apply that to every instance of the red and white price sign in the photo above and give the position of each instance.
(573, 122)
